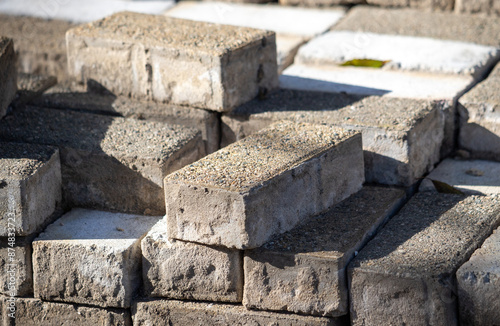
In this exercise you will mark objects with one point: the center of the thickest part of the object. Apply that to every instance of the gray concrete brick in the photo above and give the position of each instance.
(8, 74)
(34, 312)
(470, 177)
(90, 257)
(198, 64)
(479, 119)
(401, 137)
(185, 270)
(40, 44)
(70, 96)
(438, 25)
(108, 162)
(263, 185)
(479, 284)
(489, 7)
(406, 274)
(304, 270)
(30, 191)
(162, 312)
(16, 278)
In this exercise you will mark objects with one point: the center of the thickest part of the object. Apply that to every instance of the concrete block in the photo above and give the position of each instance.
(8, 74)
(162, 312)
(90, 257)
(413, 22)
(479, 284)
(263, 185)
(369, 81)
(185, 270)
(77, 97)
(470, 177)
(135, 155)
(479, 111)
(34, 312)
(16, 278)
(489, 7)
(319, 3)
(403, 52)
(401, 137)
(304, 270)
(419, 4)
(30, 187)
(198, 64)
(406, 274)
(40, 44)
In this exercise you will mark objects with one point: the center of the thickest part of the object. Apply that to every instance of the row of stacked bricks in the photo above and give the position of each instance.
(274, 228)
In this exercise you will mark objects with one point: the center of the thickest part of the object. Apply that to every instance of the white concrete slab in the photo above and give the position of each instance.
(471, 177)
(404, 52)
(306, 22)
(370, 81)
(80, 11)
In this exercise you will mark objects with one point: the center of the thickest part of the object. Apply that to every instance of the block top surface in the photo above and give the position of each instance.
(341, 109)
(485, 92)
(98, 228)
(260, 157)
(115, 136)
(335, 234)
(432, 235)
(22, 160)
(485, 259)
(170, 32)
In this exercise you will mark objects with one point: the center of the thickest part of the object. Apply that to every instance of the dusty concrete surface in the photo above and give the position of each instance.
(406, 274)
(8, 74)
(15, 262)
(30, 187)
(303, 270)
(319, 3)
(402, 138)
(440, 5)
(479, 284)
(185, 270)
(90, 257)
(263, 185)
(160, 312)
(95, 149)
(478, 7)
(204, 65)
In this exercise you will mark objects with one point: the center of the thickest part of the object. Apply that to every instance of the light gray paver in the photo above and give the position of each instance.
(35, 312)
(479, 284)
(185, 270)
(8, 74)
(401, 137)
(108, 162)
(304, 270)
(437, 25)
(30, 187)
(263, 185)
(406, 274)
(90, 257)
(470, 177)
(177, 313)
(198, 64)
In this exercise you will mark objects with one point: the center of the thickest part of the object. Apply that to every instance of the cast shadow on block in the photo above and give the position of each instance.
(481, 142)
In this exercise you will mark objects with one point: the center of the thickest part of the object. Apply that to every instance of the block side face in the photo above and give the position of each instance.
(8, 74)
(17, 280)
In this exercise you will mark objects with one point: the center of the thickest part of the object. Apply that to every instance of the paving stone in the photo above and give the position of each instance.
(186, 270)
(369, 81)
(403, 52)
(406, 274)
(16, 278)
(491, 7)
(34, 312)
(198, 64)
(8, 74)
(437, 25)
(263, 185)
(171, 312)
(479, 111)
(31, 86)
(304, 270)
(420, 4)
(479, 284)
(81, 12)
(319, 3)
(40, 44)
(108, 162)
(30, 187)
(90, 257)
(470, 177)
(79, 98)
(401, 137)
